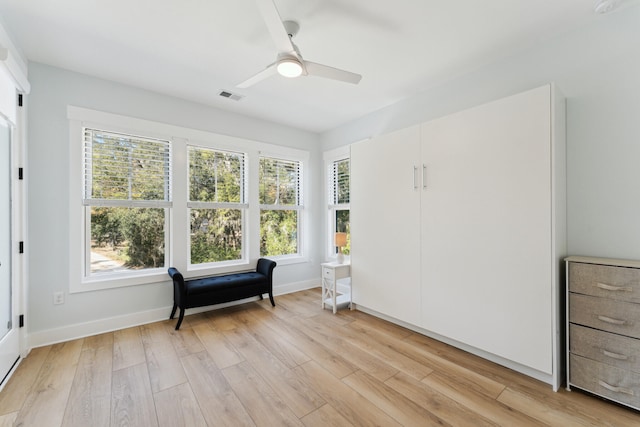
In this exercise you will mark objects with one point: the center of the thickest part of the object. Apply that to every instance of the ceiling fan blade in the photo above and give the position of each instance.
(267, 72)
(272, 18)
(325, 71)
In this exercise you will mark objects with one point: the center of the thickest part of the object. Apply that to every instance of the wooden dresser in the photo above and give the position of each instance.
(603, 328)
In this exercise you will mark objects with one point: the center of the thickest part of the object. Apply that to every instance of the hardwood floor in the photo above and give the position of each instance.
(292, 365)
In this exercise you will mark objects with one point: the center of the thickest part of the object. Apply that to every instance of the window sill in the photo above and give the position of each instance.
(120, 281)
(289, 259)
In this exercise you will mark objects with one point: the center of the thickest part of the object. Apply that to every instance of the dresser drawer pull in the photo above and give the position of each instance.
(616, 389)
(614, 355)
(612, 321)
(614, 288)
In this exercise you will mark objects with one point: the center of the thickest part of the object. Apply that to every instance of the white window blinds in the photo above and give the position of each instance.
(280, 182)
(125, 170)
(339, 182)
(216, 176)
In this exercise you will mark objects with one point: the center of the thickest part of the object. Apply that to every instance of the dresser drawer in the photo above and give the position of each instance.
(619, 283)
(612, 349)
(328, 273)
(335, 272)
(602, 313)
(604, 380)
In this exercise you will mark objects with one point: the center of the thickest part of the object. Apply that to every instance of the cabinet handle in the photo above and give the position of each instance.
(613, 288)
(424, 176)
(415, 181)
(612, 320)
(616, 389)
(614, 355)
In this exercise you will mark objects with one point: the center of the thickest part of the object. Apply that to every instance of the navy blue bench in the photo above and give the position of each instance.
(218, 289)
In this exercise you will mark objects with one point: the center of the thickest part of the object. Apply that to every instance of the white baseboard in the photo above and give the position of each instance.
(85, 329)
(295, 287)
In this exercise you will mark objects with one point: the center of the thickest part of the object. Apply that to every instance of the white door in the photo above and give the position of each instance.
(9, 343)
(385, 227)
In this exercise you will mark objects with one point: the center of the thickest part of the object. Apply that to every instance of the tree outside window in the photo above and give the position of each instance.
(126, 199)
(217, 188)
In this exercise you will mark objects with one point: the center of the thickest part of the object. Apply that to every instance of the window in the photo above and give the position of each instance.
(126, 199)
(217, 205)
(339, 186)
(147, 195)
(280, 193)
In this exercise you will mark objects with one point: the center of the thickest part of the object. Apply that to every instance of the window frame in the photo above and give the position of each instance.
(177, 247)
(90, 202)
(298, 207)
(79, 250)
(330, 158)
(243, 206)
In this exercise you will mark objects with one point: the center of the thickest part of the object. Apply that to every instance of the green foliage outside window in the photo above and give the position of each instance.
(216, 177)
(127, 237)
(127, 168)
(124, 174)
(216, 235)
(278, 232)
(123, 171)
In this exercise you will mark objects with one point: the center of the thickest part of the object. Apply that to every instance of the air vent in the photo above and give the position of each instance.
(227, 94)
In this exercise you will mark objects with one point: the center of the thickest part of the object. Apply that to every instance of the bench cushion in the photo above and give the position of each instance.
(200, 286)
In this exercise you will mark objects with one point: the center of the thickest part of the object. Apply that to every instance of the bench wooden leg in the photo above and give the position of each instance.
(173, 312)
(180, 318)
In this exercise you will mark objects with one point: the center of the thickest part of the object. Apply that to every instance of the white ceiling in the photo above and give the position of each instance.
(194, 48)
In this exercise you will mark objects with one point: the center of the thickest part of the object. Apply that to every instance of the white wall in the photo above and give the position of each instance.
(598, 69)
(47, 169)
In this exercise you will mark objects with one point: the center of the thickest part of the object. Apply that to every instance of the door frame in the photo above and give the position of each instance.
(18, 208)
(19, 221)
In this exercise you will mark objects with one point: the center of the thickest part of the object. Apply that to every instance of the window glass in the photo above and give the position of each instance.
(216, 176)
(130, 228)
(339, 195)
(339, 188)
(127, 238)
(217, 182)
(126, 199)
(280, 204)
(342, 225)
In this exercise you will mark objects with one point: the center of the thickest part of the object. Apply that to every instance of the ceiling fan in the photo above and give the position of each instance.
(289, 62)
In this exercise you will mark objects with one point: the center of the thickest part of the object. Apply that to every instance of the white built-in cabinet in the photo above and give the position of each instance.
(458, 229)
(385, 217)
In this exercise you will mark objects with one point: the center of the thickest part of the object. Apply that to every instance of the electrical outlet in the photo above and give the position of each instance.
(58, 298)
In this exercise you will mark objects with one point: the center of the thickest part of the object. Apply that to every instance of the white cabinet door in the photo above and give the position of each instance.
(385, 224)
(486, 228)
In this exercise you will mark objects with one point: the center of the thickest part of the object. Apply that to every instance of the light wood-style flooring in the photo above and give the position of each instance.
(292, 365)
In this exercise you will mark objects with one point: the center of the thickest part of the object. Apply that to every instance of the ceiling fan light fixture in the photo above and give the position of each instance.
(289, 67)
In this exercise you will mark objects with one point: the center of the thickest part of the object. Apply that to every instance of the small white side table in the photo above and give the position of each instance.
(332, 273)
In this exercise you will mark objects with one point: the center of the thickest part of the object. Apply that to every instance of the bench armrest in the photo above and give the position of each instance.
(178, 279)
(265, 266)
